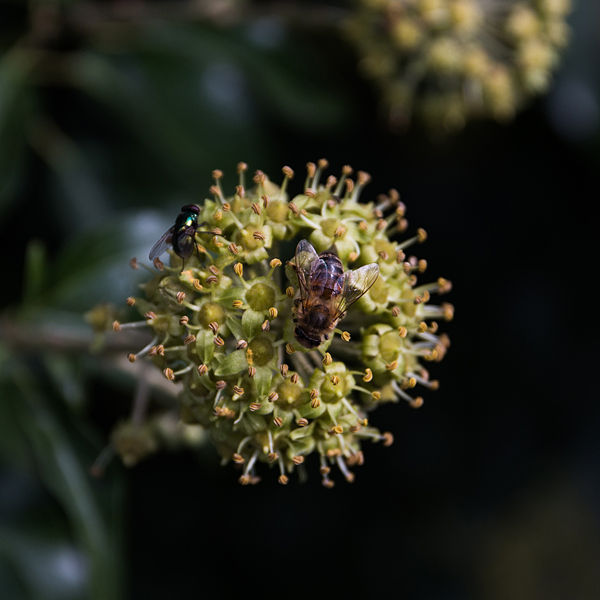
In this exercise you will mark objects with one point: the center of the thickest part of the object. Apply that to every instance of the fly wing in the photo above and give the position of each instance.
(163, 243)
(356, 284)
(304, 260)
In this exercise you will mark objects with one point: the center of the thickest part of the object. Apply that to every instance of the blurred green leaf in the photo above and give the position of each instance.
(16, 103)
(35, 270)
(49, 569)
(67, 379)
(60, 468)
(81, 196)
(130, 97)
(274, 75)
(94, 265)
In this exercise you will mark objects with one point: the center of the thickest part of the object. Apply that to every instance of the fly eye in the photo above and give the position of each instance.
(191, 208)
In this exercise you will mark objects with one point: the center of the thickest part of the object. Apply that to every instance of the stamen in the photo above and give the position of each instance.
(342, 466)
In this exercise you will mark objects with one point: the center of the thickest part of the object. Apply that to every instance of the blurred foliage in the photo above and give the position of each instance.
(111, 115)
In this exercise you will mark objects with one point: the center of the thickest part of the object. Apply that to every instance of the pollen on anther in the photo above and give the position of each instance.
(273, 397)
(254, 406)
(239, 269)
(202, 369)
(219, 341)
(259, 235)
(388, 438)
(237, 304)
(251, 371)
(302, 422)
(180, 297)
(273, 312)
(283, 479)
(448, 310)
(345, 336)
(238, 458)
(294, 378)
(168, 373)
(116, 326)
(444, 285)
(290, 349)
(233, 249)
(277, 421)
(368, 376)
(189, 339)
(130, 301)
(298, 459)
(327, 360)
(289, 291)
(283, 369)
(131, 357)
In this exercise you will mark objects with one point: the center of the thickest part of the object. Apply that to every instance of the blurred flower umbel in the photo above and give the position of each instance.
(222, 327)
(447, 61)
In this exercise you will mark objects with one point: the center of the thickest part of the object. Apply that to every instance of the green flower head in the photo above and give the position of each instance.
(223, 331)
(448, 61)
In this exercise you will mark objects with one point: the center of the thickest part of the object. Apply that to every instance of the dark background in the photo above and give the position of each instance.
(490, 491)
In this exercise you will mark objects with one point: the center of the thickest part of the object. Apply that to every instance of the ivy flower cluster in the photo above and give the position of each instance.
(222, 324)
(448, 61)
